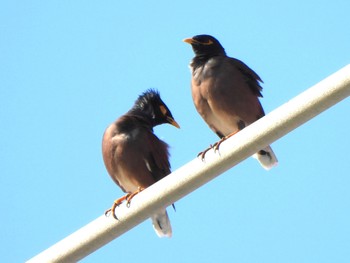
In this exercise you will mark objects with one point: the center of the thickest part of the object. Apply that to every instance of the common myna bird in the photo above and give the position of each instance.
(226, 92)
(135, 157)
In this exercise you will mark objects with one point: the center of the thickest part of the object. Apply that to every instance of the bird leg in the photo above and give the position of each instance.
(117, 202)
(217, 145)
(131, 196)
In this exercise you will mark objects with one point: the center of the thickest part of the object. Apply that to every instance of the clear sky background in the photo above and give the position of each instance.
(70, 68)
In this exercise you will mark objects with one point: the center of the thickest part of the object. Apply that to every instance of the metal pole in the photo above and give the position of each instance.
(196, 173)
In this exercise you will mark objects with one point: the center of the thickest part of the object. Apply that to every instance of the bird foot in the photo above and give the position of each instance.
(131, 196)
(203, 153)
(119, 201)
(215, 146)
(115, 205)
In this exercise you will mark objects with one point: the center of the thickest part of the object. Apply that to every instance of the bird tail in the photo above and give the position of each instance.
(161, 224)
(267, 158)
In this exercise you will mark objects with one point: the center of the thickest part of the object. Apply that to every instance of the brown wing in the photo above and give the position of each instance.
(236, 89)
(158, 157)
(251, 78)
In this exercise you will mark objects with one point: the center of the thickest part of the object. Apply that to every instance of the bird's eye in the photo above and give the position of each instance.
(163, 110)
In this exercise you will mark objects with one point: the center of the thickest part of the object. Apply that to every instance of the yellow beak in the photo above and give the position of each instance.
(189, 40)
(173, 122)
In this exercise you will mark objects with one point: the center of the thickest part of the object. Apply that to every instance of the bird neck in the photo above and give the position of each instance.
(142, 118)
(200, 59)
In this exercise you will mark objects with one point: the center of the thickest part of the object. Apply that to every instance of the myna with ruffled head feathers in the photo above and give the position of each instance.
(135, 157)
(226, 92)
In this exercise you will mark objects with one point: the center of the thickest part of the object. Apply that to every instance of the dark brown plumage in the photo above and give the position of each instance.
(226, 92)
(134, 156)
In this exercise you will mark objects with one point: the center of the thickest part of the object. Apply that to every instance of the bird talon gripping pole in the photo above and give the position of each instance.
(131, 196)
(217, 145)
(203, 153)
(116, 203)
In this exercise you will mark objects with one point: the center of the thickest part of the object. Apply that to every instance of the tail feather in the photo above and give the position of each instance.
(161, 224)
(267, 158)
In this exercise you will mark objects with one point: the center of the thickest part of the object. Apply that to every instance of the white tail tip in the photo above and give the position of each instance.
(161, 224)
(267, 158)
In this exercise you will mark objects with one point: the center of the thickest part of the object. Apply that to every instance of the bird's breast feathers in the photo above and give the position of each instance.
(213, 93)
(206, 70)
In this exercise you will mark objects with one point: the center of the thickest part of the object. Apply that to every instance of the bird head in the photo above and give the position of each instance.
(205, 45)
(150, 105)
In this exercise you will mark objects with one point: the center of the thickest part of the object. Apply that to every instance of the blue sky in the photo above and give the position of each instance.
(69, 68)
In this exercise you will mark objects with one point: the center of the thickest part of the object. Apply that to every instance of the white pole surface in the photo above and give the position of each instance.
(196, 173)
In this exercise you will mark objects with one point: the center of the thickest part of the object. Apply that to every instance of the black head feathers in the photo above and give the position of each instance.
(151, 106)
(205, 45)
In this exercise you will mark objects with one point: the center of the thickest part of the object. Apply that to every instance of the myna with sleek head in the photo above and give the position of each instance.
(226, 92)
(135, 157)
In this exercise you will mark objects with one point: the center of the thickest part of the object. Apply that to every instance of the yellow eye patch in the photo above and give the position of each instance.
(207, 43)
(163, 110)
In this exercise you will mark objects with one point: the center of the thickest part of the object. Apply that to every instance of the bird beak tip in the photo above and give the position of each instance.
(188, 40)
(174, 123)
